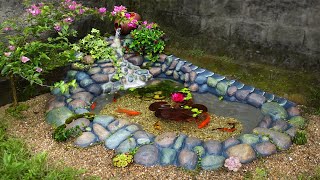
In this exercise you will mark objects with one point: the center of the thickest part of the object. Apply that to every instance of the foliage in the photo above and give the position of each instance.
(300, 138)
(89, 116)
(16, 111)
(147, 41)
(61, 134)
(122, 160)
(94, 44)
(187, 92)
(261, 173)
(18, 163)
(64, 87)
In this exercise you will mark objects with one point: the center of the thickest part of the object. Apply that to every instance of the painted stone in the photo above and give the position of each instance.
(265, 148)
(136, 60)
(85, 139)
(81, 123)
(244, 152)
(256, 100)
(168, 156)
(77, 103)
(281, 140)
(212, 162)
(147, 155)
(187, 159)
(142, 137)
(249, 139)
(86, 82)
(192, 142)
(103, 120)
(232, 90)
(242, 94)
(280, 125)
(155, 71)
(222, 88)
(165, 140)
(94, 70)
(126, 146)
(274, 110)
(230, 142)
(58, 116)
(85, 96)
(100, 131)
(213, 147)
(179, 142)
(100, 78)
(95, 89)
(116, 138)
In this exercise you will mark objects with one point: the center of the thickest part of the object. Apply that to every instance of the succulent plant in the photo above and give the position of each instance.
(122, 160)
(300, 138)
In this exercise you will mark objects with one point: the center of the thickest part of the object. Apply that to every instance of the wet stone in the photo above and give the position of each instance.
(230, 142)
(232, 90)
(165, 140)
(280, 125)
(265, 148)
(213, 147)
(298, 121)
(100, 131)
(116, 138)
(95, 89)
(77, 103)
(142, 137)
(108, 70)
(256, 100)
(86, 82)
(117, 124)
(136, 60)
(188, 159)
(58, 116)
(179, 142)
(103, 120)
(249, 139)
(155, 71)
(168, 156)
(147, 155)
(126, 146)
(100, 78)
(94, 70)
(293, 111)
(201, 79)
(281, 140)
(244, 152)
(82, 123)
(85, 96)
(274, 110)
(85, 139)
(242, 94)
(192, 142)
(212, 162)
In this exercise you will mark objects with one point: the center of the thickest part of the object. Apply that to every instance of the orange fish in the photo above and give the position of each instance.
(93, 106)
(227, 129)
(205, 121)
(128, 112)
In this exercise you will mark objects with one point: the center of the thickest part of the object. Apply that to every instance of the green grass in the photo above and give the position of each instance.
(17, 162)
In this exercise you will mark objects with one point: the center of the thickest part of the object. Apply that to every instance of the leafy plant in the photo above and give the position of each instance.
(300, 138)
(122, 160)
(147, 41)
(64, 87)
(187, 93)
(61, 134)
(16, 111)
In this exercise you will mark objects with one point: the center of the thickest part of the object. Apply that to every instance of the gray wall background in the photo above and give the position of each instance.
(282, 32)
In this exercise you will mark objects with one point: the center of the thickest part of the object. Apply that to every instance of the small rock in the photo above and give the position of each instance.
(95, 89)
(126, 146)
(94, 70)
(168, 156)
(179, 65)
(173, 65)
(77, 103)
(109, 64)
(282, 140)
(200, 79)
(244, 152)
(88, 59)
(192, 142)
(266, 148)
(100, 131)
(117, 124)
(175, 75)
(142, 137)
(58, 116)
(242, 94)
(232, 90)
(249, 139)
(136, 60)
(132, 128)
(55, 102)
(203, 88)
(230, 142)
(165, 140)
(292, 131)
(194, 87)
(85, 140)
(193, 76)
(186, 69)
(213, 147)
(81, 122)
(103, 120)
(179, 142)
(147, 155)
(188, 159)
(85, 96)
(155, 71)
(100, 78)
(186, 77)
(116, 138)
(293, 111)
(274, 110)
(265, 122)
(107, 87)
(81, 111)
(280, 125)
(76, 90)
(256, 100)
(222, 88)
(108, 70)
(212, 162)
(86, 82)
(81, 76)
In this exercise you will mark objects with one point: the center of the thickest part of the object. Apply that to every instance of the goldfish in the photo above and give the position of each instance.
(93, 106)
(228, 129)
(128, 112)
(205, 121)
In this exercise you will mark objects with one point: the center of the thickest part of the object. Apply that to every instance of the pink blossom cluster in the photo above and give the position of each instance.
(73, 5)
(177, 97)
(232, 163)
(133, 23)
(24, 59)
(149, 25)
(11, 48)
(35, 10)
(118, 10)
(102, 10)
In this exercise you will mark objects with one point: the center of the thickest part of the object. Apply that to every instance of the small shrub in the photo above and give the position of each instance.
(16, 111)
(61, 134)
(300, 138)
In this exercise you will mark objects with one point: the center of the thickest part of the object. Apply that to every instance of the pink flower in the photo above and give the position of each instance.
(24, 59)
(177, 97)
(39, 70)
(67, 1)
(68, 20)
(34, 10)
(81, 11)
(57, 27)
(119, 9)
(127, 15)
(12, 48)
(7, 29)
(232, 163)
(7, 54)
(102, 10)
(72, 7)
(149, 26)
(145, 22)
(133, 23)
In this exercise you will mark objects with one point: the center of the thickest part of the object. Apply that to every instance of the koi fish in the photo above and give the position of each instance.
(128, 112)
(228, 129)
(93, 106)
(205, 121)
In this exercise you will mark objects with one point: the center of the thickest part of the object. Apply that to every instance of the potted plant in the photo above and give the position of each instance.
(127, 21)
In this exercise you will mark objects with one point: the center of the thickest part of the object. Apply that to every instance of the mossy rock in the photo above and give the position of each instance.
(298, 122)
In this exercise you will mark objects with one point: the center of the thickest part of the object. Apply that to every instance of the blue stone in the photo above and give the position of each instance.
(192, 142)
(213, 147)
(142, 137)
(249, 88)
(126, 146)
(188, 159)
(230, 142)
(95, 89)
(86, 82)
(179, 65)
(115, 139)
(58, 116)
(212, 162)
(200, 79)
(199, 70)
(147, 155)
(85, 139)
(194, 67)
(238, 84)
(81, 111)
(249, 139)
(103, 120)
(281, 140)
(179, 142)
(81, 76)
(207, 73)
(168, 156)
(132, 128)
(259, 91)
(274, 110)
(269, 96)
(218, 77)
(265, 148)
(203, 88)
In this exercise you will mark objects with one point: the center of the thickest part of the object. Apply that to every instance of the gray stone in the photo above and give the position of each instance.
(230, 142)
(175, 75)
(265, 148)
(142, 137)
(147, 155)
(58, 116)
(168, 156)
(77, 103)
(132, 128)
(186, 77)
(242, 94)
(100, 78)
(76, 90)
(201, 79)
(100, 131)
(116, 138)
(292, 131)
(192, 142)
(107, 87)
(95, 89)
(179, 65)
(232, 90)
(222, 88)
(213, 147)
(155, 71)
(81, 76)
(86, 82)
(186, 69)
(108, 64)
(179, 142)
(244, 152)
(265, 122)
(193, 76)
(173, 64)
(188, 159)
(55, 102)
(126, 146)
(103, 120)
(293, 111)
(136, 60)
(256, 100)
(274, 110)
(108, 70)
(85, 139)
(82, 123)
(94, 70)
(280, 125)
(85, 96)
(212, 162)
(194, 87)
(117, 124)
(212, 82)
(249, 139)
(298, 121)
(165, 140)
(281, 140)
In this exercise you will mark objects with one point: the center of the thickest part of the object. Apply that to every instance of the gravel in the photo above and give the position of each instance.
(97, 160)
